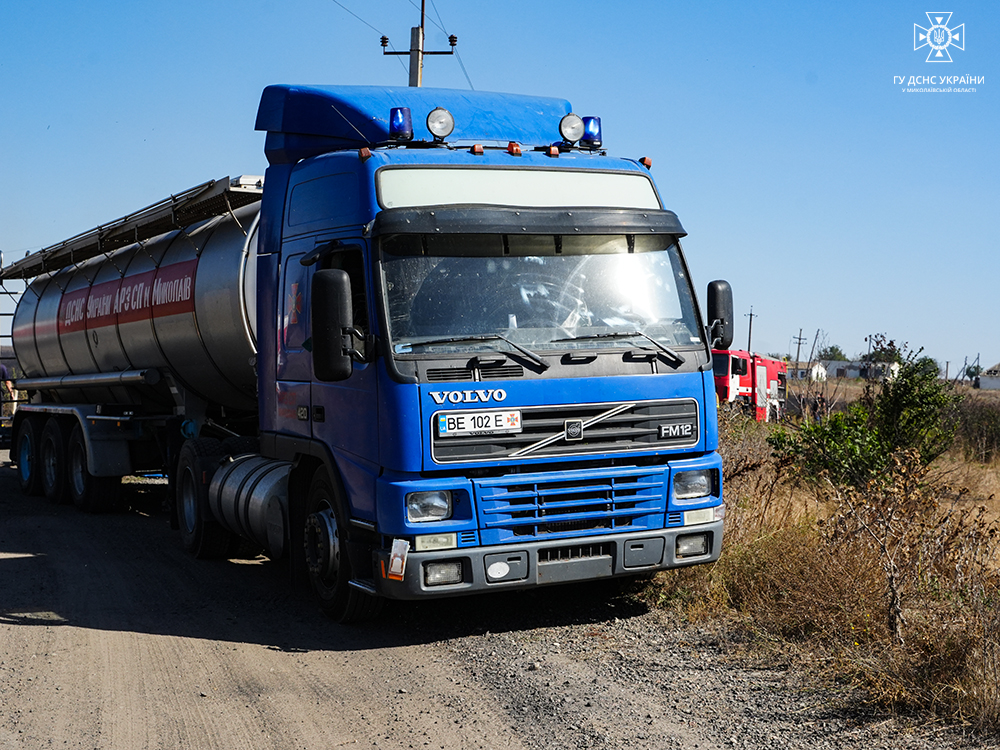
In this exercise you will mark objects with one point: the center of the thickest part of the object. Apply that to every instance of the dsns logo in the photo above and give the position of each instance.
(938, 37)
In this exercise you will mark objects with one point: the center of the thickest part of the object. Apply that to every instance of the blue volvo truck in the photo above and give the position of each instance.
(445, 345)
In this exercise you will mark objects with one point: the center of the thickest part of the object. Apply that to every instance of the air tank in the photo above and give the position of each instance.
(182, 304)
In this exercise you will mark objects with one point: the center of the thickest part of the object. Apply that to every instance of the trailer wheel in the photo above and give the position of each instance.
(201, 534)
(326, 556)
(52, 450)
(29, 475)
(89, 493)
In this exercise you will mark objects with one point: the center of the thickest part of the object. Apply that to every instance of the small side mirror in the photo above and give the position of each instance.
(332, 320)
(720, 314)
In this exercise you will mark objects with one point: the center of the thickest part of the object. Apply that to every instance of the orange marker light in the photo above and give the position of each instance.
(554, 151)
(514, 149)
(477, 149)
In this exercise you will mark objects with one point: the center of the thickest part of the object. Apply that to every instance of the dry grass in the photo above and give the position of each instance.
(894, 586)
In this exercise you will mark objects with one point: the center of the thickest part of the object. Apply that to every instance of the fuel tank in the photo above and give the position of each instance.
(182, 303)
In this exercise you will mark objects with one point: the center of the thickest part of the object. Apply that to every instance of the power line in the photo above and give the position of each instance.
(440, 25)
(366, 24)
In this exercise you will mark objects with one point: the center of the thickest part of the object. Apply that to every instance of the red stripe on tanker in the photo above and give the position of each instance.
(167, 291)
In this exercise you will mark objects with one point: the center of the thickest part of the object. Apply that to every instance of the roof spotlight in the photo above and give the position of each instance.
(592, 133)
(440, 122)
(400, 124)
(571, 128)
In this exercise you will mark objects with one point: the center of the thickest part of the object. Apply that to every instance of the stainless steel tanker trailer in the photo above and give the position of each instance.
(134, 336)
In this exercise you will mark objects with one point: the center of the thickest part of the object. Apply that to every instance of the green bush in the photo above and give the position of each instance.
(913, 411)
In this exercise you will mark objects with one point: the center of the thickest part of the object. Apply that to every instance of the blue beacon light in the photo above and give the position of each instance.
(400, 124)
(591, 133)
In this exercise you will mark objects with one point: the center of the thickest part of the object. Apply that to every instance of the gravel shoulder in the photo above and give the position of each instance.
(112, 637)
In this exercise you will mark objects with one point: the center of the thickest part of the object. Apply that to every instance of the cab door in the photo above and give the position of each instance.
(344, 414)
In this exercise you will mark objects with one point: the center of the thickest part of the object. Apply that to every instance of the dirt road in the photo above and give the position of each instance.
(112, 637)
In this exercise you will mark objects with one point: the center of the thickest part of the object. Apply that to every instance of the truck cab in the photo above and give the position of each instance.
(515, 388)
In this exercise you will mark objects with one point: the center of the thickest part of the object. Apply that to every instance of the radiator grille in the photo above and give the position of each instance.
(606, 428)
(459, 374)
(535, 506)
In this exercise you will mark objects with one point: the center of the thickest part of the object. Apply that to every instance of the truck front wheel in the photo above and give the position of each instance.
(327, 561)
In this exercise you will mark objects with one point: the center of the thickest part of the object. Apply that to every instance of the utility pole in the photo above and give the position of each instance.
(416, 51)
(750, 332)
(799, 340)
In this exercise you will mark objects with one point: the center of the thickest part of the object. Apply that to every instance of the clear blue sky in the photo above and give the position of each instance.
(829, 197)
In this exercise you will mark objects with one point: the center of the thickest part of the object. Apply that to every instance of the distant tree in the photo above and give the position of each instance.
(973, 371)
(884, 349)
(831, 353)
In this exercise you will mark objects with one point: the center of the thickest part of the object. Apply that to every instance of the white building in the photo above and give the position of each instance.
(855, 370)
(814, 371)
(989, 379)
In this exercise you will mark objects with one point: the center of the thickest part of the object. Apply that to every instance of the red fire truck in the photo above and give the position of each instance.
(755, 382)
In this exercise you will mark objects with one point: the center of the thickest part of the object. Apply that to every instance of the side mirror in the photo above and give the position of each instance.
(332, 321)
(720, 314)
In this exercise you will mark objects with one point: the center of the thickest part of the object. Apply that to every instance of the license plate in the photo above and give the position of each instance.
(457, 423)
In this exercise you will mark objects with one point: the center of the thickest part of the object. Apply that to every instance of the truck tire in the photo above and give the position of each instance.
(237, 446)
(88, 493)
(201, 534)
(52, 451)
(29, 475)
(327, 561)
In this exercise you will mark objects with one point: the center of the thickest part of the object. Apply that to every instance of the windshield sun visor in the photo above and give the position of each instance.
(495, 220)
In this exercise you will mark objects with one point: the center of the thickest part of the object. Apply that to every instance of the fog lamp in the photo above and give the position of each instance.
(440, 122)
(400, 124)
(434, 505)
(692, 545)
(443, 573)
(691, 484)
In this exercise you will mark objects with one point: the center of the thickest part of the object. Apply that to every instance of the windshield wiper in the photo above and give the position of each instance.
(677, 358)
(486, 337)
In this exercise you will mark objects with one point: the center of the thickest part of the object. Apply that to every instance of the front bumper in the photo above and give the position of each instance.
(539, 563)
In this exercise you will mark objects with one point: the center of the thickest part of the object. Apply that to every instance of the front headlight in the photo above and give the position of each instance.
(692, 484)
(428, 506)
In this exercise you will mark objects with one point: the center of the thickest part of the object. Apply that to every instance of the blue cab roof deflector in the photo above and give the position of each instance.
(303, 121)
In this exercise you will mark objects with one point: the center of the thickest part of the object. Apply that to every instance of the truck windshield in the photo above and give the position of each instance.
(537, 291)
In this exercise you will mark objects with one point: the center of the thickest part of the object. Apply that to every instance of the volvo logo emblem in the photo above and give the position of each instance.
(573, 429)
(469, 397)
